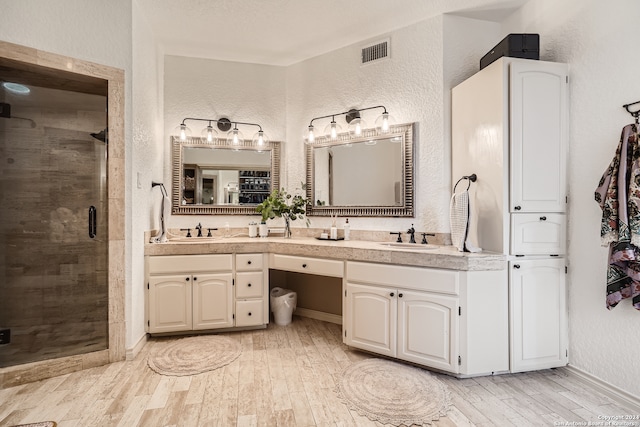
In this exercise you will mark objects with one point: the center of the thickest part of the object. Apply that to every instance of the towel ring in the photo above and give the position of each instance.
(471, 178)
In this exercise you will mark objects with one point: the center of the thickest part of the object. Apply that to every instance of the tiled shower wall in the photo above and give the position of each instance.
(53, 277)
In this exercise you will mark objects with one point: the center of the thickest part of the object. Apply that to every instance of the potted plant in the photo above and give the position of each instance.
(289, 206)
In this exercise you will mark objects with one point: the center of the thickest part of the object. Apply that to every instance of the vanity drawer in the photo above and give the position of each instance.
(322, 267)
(249, 262)
(398, 276)
(189, 263)
(249, 284)
(249, 313)
(538, 234)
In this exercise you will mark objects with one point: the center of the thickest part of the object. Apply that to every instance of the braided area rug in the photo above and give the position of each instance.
(393, 393)
(194, 355)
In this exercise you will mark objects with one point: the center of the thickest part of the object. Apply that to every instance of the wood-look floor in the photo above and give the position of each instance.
(285, 376)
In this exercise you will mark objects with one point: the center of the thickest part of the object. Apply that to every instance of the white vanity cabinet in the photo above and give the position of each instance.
(455, 321)
(189, 292)
(204, 292)
(510, 128)
(251, 303)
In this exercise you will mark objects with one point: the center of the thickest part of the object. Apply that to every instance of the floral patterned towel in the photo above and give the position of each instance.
(618, 194)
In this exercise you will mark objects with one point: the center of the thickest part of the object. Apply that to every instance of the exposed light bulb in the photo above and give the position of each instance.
(209, 134)
(358, 129)
(311, 137)
(334, 130)
(385, 122)
(183, 133)
(260, 138)
(235, 137)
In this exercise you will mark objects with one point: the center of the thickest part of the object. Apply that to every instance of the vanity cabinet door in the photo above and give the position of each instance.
(212, 301)
(427, 329)
(370, 318)
(538, 135)
(170, 303)
(538, 314)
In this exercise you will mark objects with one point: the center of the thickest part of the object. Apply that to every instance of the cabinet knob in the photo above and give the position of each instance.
(304, 265)
(516, 265)
(543, 218)
(187, 279)
(517, 208)
(195, 278)
(400, 295)
(248, 285)
(391, 294)
(249, 313)
(249, 262)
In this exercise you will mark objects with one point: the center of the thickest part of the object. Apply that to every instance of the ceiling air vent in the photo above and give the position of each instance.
(375, 52)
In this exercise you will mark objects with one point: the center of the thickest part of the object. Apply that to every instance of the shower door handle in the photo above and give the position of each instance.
(92, 222)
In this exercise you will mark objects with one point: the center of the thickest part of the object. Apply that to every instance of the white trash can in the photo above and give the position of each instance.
(283, 302)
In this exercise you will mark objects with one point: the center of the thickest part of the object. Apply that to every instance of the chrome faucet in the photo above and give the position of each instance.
(411, 232)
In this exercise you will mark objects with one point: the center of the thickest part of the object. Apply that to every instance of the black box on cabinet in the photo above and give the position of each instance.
(525, 46)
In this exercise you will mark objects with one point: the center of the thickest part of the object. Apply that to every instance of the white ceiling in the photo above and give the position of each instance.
(284, 32)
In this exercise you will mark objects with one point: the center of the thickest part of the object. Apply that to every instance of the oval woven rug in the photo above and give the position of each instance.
(194, 355)
(393, 393)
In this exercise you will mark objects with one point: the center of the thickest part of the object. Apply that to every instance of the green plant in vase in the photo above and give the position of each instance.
(281, 203)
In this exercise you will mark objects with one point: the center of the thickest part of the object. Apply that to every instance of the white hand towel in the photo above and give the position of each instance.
(471, 242)
(165, 211)
(459, 219)
(464, 234)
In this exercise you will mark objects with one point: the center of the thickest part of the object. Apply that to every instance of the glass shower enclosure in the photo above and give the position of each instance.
(53, 218)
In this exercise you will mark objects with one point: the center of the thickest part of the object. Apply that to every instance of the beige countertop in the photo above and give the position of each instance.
(446, 257)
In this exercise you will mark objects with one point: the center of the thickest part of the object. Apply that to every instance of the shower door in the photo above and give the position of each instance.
(53, 224)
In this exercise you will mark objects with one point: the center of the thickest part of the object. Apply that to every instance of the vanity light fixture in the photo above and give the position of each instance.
(385, 122)
(357, 125)
(234, 136)
(332, 129)
(259, 139)
(209, 133)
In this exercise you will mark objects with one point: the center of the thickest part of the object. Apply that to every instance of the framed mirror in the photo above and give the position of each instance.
(367, 176)
(221, 178)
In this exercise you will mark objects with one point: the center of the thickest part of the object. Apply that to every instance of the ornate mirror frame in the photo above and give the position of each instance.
(230, 209)
(403, 131)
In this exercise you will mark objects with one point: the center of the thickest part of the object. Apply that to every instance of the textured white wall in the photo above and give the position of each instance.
(598, 40)
(409, 85)
(204, 88)
(147, 157)
(93, 31)
(413, 84)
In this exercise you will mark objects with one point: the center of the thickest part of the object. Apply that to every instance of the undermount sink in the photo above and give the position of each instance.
(411, 246)
(193, 239)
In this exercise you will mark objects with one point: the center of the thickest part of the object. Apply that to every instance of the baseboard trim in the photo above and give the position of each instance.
(615, 393)
(131, 353)
(319, 315)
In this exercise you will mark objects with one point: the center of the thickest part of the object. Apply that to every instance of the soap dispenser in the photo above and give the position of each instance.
(333, 232)
(347, 230)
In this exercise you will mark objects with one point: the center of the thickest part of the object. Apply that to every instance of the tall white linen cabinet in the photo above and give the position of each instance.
(510, 127)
